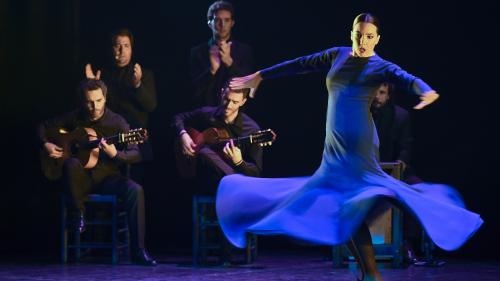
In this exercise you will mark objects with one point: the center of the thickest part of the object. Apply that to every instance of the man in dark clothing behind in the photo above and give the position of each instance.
(131, 91)
(394, 132)
(105, 177)
(396, 145)
(212, 63)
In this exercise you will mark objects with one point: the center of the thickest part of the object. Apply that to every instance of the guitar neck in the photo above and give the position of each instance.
(109, 140)
(241, 140)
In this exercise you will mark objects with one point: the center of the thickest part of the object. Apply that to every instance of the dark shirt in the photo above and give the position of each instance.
(109, 124)
(213, 117)
(206, 87)
(394, 132)
(131, 103)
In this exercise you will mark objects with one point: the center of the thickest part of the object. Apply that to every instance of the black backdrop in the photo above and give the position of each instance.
(44, 45)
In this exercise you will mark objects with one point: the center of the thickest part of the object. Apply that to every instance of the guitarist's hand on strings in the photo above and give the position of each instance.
(53, 150)
(109, 149)
(233, 153)
(188, 145)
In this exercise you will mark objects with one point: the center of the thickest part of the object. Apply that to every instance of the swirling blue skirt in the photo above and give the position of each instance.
(322, 210)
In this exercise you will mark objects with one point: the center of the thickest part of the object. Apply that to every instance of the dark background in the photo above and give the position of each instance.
(44, 45)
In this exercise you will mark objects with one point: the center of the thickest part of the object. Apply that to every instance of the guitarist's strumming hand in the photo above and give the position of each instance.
(109, 149)
(188, 145)
(53, 150)
(233, 153)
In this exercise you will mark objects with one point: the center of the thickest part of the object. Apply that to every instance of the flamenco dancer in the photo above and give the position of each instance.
(332, 206)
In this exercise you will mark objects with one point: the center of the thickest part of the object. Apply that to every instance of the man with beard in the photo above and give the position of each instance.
(105, 176)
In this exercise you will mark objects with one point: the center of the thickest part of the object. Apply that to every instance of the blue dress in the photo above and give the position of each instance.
(328, 207)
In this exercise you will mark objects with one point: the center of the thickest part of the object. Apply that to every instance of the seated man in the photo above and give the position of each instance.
(394, 132)
(213, 163)
(105, 176)
(396, 145)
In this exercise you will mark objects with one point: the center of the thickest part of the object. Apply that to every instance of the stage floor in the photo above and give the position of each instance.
(267, 267)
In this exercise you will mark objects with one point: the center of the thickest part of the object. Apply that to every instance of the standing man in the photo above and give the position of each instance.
(212, 63)
(105, 176)
(131, 90)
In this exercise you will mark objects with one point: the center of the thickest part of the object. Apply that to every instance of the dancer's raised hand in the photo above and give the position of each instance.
(251, 81)
(426, 99)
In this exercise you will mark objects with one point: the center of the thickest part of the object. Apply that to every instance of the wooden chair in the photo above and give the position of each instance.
(386, 231)
(114, 223)
(207, 235)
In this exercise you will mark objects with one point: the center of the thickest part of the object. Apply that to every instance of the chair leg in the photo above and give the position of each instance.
(196, 232)
(114, 233)
(76, 234)
(202, 234)
(248, 249)
(63, 233)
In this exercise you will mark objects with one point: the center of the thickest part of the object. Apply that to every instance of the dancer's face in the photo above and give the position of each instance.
(364, 37)
(381, 96)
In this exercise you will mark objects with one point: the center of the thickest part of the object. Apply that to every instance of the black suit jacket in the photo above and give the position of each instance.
(394, 132)
(206, 87)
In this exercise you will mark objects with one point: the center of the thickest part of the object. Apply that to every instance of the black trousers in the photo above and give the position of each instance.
(78, 183)
(211, 168)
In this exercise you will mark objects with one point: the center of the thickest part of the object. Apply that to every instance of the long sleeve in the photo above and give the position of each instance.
(129, 153)
(146, 93)
(205, 85)
(201, 78)
(252, 153)
(66, 121)
(405, 80)
(193, 118)
(320, 61)
(134, 104)
(252, 162)
(243, 62)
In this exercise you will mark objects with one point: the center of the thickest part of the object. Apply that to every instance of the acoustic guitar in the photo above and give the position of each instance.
(83, 144)
(215, 138)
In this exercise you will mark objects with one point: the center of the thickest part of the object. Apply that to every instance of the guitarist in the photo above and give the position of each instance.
(105, 177)
(215, 163)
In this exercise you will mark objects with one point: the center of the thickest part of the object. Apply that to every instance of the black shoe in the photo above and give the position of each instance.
(409, 258)
(141, 257)
(430, 263)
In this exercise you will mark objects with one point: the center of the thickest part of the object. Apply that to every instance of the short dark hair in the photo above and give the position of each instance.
(367, 17)
(219, 5)
(390, 87)
(226, 88)
(91, 85)
(122, 32)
